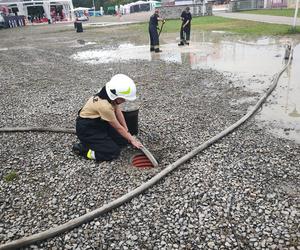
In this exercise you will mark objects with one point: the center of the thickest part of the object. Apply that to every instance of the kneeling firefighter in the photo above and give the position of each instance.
(101, 126)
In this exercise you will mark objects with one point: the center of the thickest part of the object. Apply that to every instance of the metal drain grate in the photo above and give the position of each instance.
(141, 161)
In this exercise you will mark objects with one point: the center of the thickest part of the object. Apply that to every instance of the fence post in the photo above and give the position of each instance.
(296, 13)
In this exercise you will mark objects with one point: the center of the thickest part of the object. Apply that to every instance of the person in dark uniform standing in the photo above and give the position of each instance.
(185, 30)
(101, 126)
(153, 26)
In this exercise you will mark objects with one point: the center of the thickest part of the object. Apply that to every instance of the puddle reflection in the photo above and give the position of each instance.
(283, 114)
(256, 60)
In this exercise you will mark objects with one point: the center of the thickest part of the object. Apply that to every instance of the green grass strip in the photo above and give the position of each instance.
(273, 12)
(213, 23)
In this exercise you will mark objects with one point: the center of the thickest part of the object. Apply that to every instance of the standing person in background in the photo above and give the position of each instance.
(185, 30)
(153, 26)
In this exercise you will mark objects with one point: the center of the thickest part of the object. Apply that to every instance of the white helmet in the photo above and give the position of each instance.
(121, 86)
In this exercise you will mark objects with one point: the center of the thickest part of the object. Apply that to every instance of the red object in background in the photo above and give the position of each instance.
(4, 10)
(42, 20)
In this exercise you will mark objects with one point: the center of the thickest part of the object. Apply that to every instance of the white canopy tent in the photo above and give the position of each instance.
(22, 6)
(80, 9)
(126, 8)
(152, 5)
(139, 2)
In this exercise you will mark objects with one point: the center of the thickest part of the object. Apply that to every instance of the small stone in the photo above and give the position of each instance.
(210, 244)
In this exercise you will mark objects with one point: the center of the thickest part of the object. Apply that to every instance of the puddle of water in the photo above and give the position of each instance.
(255, 61)
(113, 55)
(233, 57)
(283, 114)
(81, 43)
(108, 23)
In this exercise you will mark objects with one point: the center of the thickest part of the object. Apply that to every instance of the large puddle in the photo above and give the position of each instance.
(255, 62)
(282, 112)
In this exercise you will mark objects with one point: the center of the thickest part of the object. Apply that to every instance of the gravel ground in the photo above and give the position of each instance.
(241, 193)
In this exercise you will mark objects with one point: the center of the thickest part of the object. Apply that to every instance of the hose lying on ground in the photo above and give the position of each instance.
(70, 131)
(130, 195)
(43, 129)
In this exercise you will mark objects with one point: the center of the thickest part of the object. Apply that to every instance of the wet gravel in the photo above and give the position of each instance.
(240, 193)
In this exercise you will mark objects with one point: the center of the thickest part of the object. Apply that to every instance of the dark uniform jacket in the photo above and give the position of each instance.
(154, 20)
(185, 17)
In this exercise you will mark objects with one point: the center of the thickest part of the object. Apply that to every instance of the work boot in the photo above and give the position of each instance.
(158, 50)
(80, 149)
(151, 49)
(180, 44)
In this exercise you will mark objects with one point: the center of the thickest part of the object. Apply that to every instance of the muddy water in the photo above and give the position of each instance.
(282, 113)
(254, 61)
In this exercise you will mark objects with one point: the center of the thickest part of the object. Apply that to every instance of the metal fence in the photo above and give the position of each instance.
(276, 4)
(175, 11)
(13, 21)
(237, 5)
(245, 5)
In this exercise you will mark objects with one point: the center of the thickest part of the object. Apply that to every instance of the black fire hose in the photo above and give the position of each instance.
(142, 188)
(39, 129)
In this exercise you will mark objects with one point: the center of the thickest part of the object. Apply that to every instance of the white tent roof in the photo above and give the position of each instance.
(11, 1)
(32, 2)
(129, 4)
(139, 2)
(23, 5)
(80, 8)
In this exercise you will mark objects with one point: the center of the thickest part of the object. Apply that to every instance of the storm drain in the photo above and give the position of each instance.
(141, 161)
